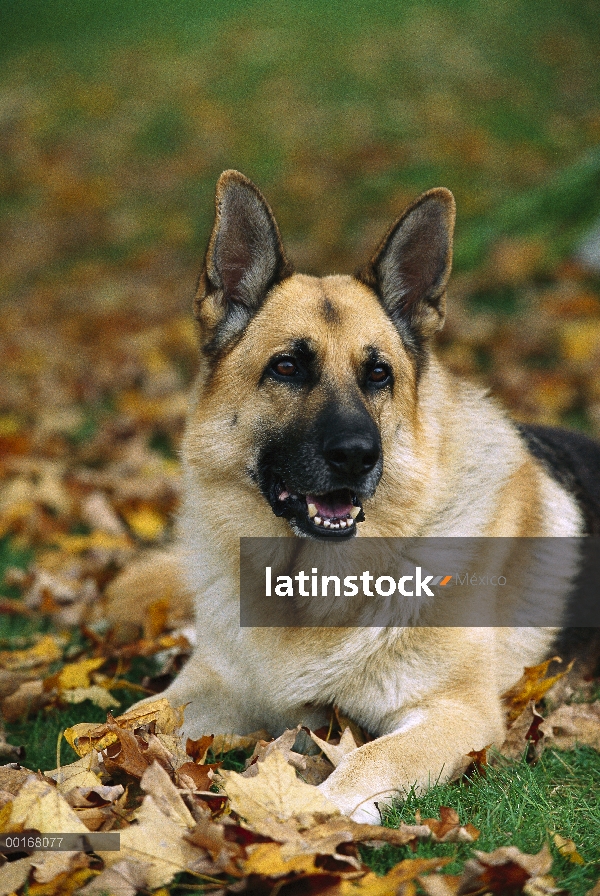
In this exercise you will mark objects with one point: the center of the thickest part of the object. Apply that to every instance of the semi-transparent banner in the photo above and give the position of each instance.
(384, 582)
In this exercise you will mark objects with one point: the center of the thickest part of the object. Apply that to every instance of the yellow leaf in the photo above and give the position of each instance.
(274, 793)
(39, 805)
(81, 773)
(168, 718)
(83, 738)
(97, 694)
(10, 425)
(5, 813)
(580, 340)
(158, 840)
(531, 686)
(86, 736)
(156, 782)
(77, 675)
(47, 650)
(63, 885)
(568, 849)
(147, 523)
(393, 882)
(97, 540)
(265, 858)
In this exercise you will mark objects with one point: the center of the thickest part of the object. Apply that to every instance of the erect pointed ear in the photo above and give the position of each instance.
(411, 267)
(243, 261)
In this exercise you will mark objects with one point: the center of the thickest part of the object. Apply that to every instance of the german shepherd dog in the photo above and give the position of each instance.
(321, 411)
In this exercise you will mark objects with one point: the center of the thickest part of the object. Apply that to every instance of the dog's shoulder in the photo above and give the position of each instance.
(573, 461)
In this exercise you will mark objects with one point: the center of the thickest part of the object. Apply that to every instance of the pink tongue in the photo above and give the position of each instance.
(330, 507)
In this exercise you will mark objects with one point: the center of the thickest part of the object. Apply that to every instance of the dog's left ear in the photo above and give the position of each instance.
(244, 259)
(411, 267)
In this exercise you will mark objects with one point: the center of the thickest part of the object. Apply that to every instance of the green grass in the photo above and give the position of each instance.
(516, 804)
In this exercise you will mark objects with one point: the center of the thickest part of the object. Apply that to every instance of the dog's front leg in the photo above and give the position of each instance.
(213, 696)
(424, 749)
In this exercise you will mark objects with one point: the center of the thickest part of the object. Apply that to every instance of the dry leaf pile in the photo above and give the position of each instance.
(264, 830)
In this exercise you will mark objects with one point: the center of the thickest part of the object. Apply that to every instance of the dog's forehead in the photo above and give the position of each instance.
(335, 310)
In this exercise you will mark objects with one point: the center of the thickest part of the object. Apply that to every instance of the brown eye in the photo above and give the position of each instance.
(379, 374)
(285, 367)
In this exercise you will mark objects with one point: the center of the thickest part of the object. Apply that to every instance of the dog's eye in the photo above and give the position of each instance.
(285, 367)
(379, 374)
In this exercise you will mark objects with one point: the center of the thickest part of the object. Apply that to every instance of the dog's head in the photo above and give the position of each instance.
(306, 381)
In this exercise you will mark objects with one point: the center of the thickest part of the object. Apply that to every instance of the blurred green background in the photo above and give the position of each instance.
(117, 117)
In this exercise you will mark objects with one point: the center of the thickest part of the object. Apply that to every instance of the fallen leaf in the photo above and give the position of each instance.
(13, 875)
(156, 782)
(48, 865)
(125, 878)
(84, 772)
(274, 793)
(75, 675)
(440, 884)
(47, 650)
(30, 697)
(532, 685)
(474, 762)
(392, 883)
(195, 777)
(197, 749)
(40, 806)
(98, 513)
(98, 695)
(62, 885)
(336, 752)
(9, 750)
(145, 522)
(12, 681)
(504, 870)
(448, 829)
(224, 743)
(524, 731)
(12, 779)
(266, 859)
(156, 618)
(578, 723)
(359, 734)
(156, 839)
(89, 797)
(567, 849)
(125, 753)
(325, 838)
(86, 737)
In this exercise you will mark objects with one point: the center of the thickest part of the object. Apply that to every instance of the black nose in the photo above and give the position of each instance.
(351, 453)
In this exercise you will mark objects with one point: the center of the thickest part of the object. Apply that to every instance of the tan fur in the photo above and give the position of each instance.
(453, 466)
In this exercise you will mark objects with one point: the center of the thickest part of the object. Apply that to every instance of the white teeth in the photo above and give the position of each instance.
(354, 512)
(327, 523)
(312, 510)
(349, 522)
(342, 524)
(317, 520)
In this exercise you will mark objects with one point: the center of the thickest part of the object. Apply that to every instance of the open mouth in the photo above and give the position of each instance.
(334, 514)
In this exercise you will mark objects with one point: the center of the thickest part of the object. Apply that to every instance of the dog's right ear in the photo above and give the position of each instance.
(244, 259)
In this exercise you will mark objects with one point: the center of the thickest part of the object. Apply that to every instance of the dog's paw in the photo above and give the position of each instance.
(362, 803)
